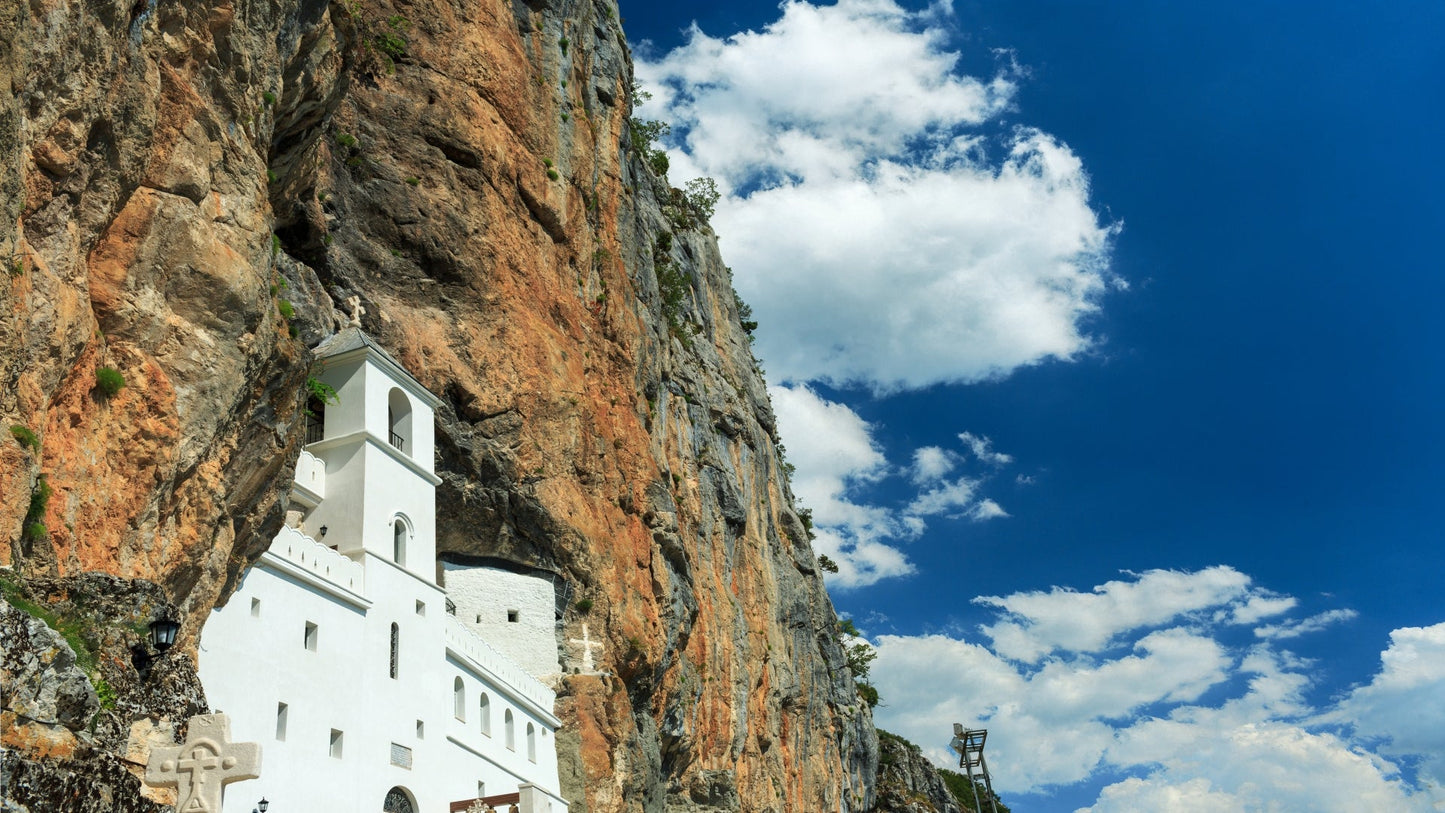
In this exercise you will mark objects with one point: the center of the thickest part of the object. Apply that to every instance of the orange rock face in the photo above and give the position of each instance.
(479, 193)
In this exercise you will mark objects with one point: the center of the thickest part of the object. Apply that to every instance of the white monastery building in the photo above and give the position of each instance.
(370, 686)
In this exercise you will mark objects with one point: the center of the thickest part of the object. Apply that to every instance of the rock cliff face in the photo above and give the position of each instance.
(191, 192)
(907, 781)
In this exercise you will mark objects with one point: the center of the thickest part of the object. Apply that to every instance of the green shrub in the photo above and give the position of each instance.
(25, 437)
(391, 41)
(34, 521)
(413, 180)
(288, 311)
(547, 162)
(552, 173)
(275, 244)
(868, 693)
(826, 564)
(105, 693)
(321, 391)
(963, 791)
(346, 140)
(268, 97)
(583, 605)
(745, 315)
(563, 43)
(110, 381)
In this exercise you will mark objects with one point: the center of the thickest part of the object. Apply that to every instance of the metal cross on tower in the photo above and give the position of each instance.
(969, 745)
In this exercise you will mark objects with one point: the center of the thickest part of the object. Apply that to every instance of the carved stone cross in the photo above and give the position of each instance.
(585, 643)
(354, 302)
(203, 764)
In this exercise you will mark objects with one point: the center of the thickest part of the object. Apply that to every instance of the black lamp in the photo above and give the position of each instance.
(163, 636)
(323, 530)
(163, 633)
(263, 805)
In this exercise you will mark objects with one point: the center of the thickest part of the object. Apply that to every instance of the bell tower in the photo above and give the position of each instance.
(376, 442)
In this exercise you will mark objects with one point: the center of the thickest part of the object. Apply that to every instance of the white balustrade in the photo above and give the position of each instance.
(311, 474)
(463, 640)
(302, 550)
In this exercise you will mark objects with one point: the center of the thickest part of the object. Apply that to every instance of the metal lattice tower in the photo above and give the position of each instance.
(969, 745)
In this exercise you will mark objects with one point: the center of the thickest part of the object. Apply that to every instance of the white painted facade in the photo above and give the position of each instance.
(337, 653)
(513, 612)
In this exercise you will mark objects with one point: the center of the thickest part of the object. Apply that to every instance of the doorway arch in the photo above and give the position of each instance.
(398, 800)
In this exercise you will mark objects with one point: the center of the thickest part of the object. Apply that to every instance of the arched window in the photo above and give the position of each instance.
(531, 743)
(398, 420)
(395, 647)
(398, 541)
(459, 700)
(510, 728)
(485, 711)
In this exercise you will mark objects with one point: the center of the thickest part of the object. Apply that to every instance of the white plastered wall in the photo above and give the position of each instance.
(486, 595)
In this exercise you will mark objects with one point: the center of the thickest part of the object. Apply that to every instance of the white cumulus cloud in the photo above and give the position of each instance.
(836, 460)
(834, 453)
(1404, 705)
(931, 463)
(1038, 622)
(1145, 692)
(883, 234)
(1295, 628)
(982, 449)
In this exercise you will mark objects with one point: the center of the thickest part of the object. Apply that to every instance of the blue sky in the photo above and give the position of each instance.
(1106, 340)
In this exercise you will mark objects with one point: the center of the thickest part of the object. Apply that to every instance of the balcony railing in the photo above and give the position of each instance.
(398, 441)
(315, 430)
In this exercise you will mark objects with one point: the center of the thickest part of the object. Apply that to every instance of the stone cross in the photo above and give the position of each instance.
(203, 764)
(586, 644)
(354, 302)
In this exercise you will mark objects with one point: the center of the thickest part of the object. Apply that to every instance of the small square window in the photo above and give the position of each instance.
(420, 730)
(421, 608)
(481, 789)
(310, 638)
(336, 737)
(255, 608)
(513, 616)
(281, 710)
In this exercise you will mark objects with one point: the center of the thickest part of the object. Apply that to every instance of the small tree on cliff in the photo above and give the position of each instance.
(859, 655)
